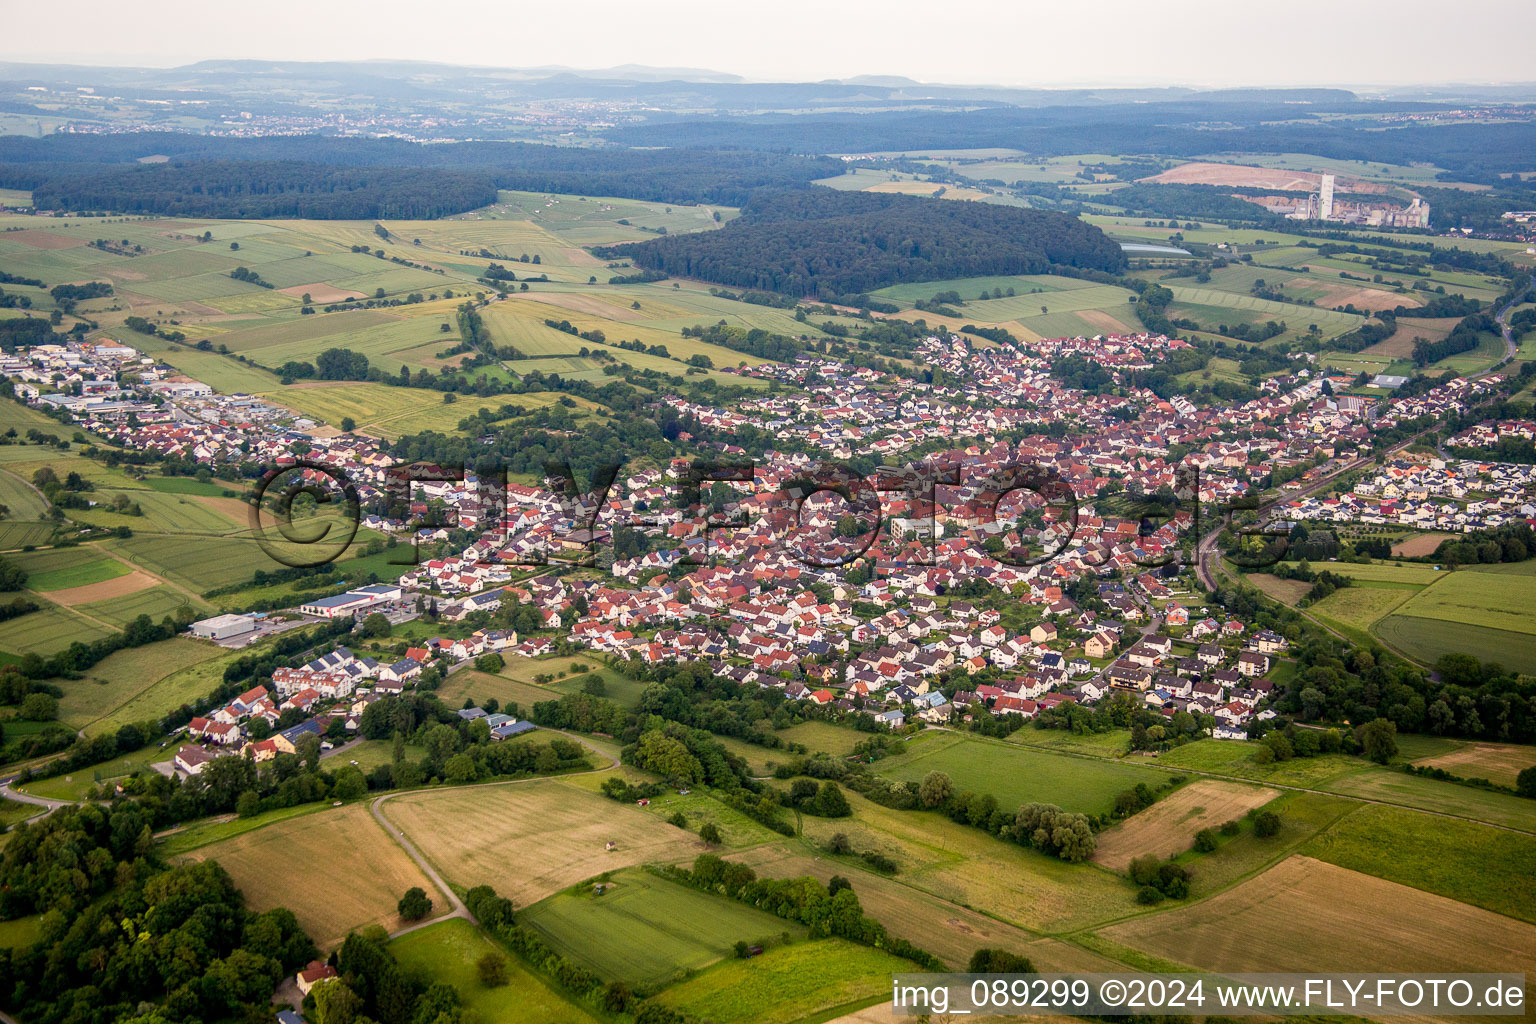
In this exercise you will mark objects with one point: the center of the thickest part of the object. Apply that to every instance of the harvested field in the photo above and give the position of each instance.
(356, 872)
(947, 930)
(1284, 591)
(1304, 913)
(1409, 330)
(121, 586)
(321, 292)
(1496, 762)
(1361, 298)
(1419, 544)
(1103, 320)
(532, 839)
(1169, 826)
(44, 239)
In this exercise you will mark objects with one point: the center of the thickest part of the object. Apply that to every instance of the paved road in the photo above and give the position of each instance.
(459, 909)
(8, 788)
(1510, 348)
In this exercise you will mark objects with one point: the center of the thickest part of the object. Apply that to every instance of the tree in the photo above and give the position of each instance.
(617, 997)
(348, 424)
(492, 662)
(1205, 840)
(12, 577)
(935, 789)
(415, 904)
(741, 949)
(350, 784)
(375, 625)
(1525, 782)
(39, 707)
(335, 1003)
(1266, 824)
(710, 833)
(492, 968)
(1378, 739)
(998, 961)
(830, 802)
(248, 805)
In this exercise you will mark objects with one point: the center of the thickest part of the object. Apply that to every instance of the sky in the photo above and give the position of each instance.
(992, 42)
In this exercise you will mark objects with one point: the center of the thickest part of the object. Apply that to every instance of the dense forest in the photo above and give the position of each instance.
(682, 175)
(122, 937)
(1163, 129)
(229, 189)
(827, 243)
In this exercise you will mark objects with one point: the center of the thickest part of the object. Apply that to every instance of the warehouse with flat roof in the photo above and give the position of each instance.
(222, 627)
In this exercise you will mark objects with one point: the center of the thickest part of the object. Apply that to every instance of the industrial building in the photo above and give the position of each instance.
(352, 602)
(223, 627)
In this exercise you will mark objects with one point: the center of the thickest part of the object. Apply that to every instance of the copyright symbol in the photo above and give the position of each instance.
(329, 514)
(1112, 993)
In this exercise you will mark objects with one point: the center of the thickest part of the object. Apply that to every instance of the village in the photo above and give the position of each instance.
(968, 603)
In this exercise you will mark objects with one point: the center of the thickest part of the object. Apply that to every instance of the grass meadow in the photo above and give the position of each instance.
(1018, 775)
(801, 981)
(1487, 867)
(447, 952)
(649, 931)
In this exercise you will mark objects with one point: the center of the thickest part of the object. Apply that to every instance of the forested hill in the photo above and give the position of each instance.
(232, 190)
(821, 242)
(667, 176)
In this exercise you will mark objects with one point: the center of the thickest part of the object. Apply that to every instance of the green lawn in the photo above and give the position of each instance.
(1487, 867)
(649, 931)
(1018, 775)
(448, 952)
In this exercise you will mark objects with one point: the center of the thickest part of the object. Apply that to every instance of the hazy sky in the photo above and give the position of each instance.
(1007, 42)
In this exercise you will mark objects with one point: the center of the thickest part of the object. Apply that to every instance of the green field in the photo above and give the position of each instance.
(447, 953)
(649, 931)
(24, 503)
(1359, 607)
(803, 981)
(1492, 601)
(1487, 867)
(1427, 640)
(1448, 798)
(1018, 775)
(96, 571)
(1388, 572)
(124, 676)
(166, 693)
(47, 631)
